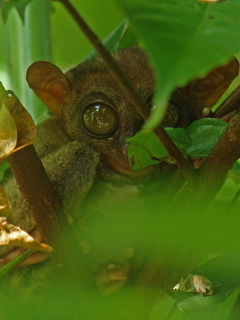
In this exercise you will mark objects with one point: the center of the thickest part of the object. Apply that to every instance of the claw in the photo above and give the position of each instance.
(195, 283)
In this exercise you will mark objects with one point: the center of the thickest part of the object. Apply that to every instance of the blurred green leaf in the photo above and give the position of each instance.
(19, 5)
(235, 172)
(180, 138)
(185, 40)
(223, 271)
(197, 140)
(111, 42)
(129, 39)
(15, 262)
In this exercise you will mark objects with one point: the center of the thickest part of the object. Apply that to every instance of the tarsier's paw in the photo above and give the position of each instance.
(195, 283)
(111, 278)
(202, 285)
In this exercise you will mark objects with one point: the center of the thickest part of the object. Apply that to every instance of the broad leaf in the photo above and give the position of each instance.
(8, 132)
(144, 150)
(19, 5)
(196, 141)
(224, 274)
(26, 128)
(17, 128)
(204, 134)
(180, 138)
(185, 39)
(235, 172)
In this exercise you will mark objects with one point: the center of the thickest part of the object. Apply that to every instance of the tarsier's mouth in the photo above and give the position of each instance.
(120, 162)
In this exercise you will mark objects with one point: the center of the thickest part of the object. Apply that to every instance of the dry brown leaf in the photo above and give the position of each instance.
(8, 132)
(26, 128)
(17, 128)
(15, 236)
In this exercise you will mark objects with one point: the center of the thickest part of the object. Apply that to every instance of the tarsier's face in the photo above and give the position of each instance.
(95, 110)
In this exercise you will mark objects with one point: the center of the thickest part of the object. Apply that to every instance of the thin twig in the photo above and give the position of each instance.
(230, 104)
(15, 262)
(183, 164)
(37, 191)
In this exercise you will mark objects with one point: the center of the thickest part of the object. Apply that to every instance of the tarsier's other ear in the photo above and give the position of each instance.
(49, 84)
(207, 91)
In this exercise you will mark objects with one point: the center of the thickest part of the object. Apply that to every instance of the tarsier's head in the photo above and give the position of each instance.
(93, 108)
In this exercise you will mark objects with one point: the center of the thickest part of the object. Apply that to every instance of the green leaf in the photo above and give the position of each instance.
(223, 271)
(129, 39)
(196, 141)
(20, 6)
(111, 42)
(180, 138)
(144, 150)
(15, 262)
(185, 39)
(235, 172)
(204, 134)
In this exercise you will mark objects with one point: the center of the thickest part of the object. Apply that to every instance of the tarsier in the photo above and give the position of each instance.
(83, 145)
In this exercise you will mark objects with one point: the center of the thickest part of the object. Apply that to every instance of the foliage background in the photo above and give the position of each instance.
(49, 33)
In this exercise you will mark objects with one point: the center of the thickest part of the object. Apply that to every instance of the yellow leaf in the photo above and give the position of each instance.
(26, 128)
(14, 235)
(3, 93)
(17, 128)
(8, 132)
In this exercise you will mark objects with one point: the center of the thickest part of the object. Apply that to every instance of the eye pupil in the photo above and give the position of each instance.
(100, 119)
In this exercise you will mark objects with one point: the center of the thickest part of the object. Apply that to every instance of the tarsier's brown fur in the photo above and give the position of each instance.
(78, 162)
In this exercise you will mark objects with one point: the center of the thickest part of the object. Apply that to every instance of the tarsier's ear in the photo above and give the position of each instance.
(209, 89)
(49, 84)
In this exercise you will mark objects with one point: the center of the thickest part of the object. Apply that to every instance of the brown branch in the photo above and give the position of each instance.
(220, 161)
(230, 104)
(36, 189)
(183, 164)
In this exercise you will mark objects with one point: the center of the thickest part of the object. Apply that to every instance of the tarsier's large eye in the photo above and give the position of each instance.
(100, 119)
(172, 116)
